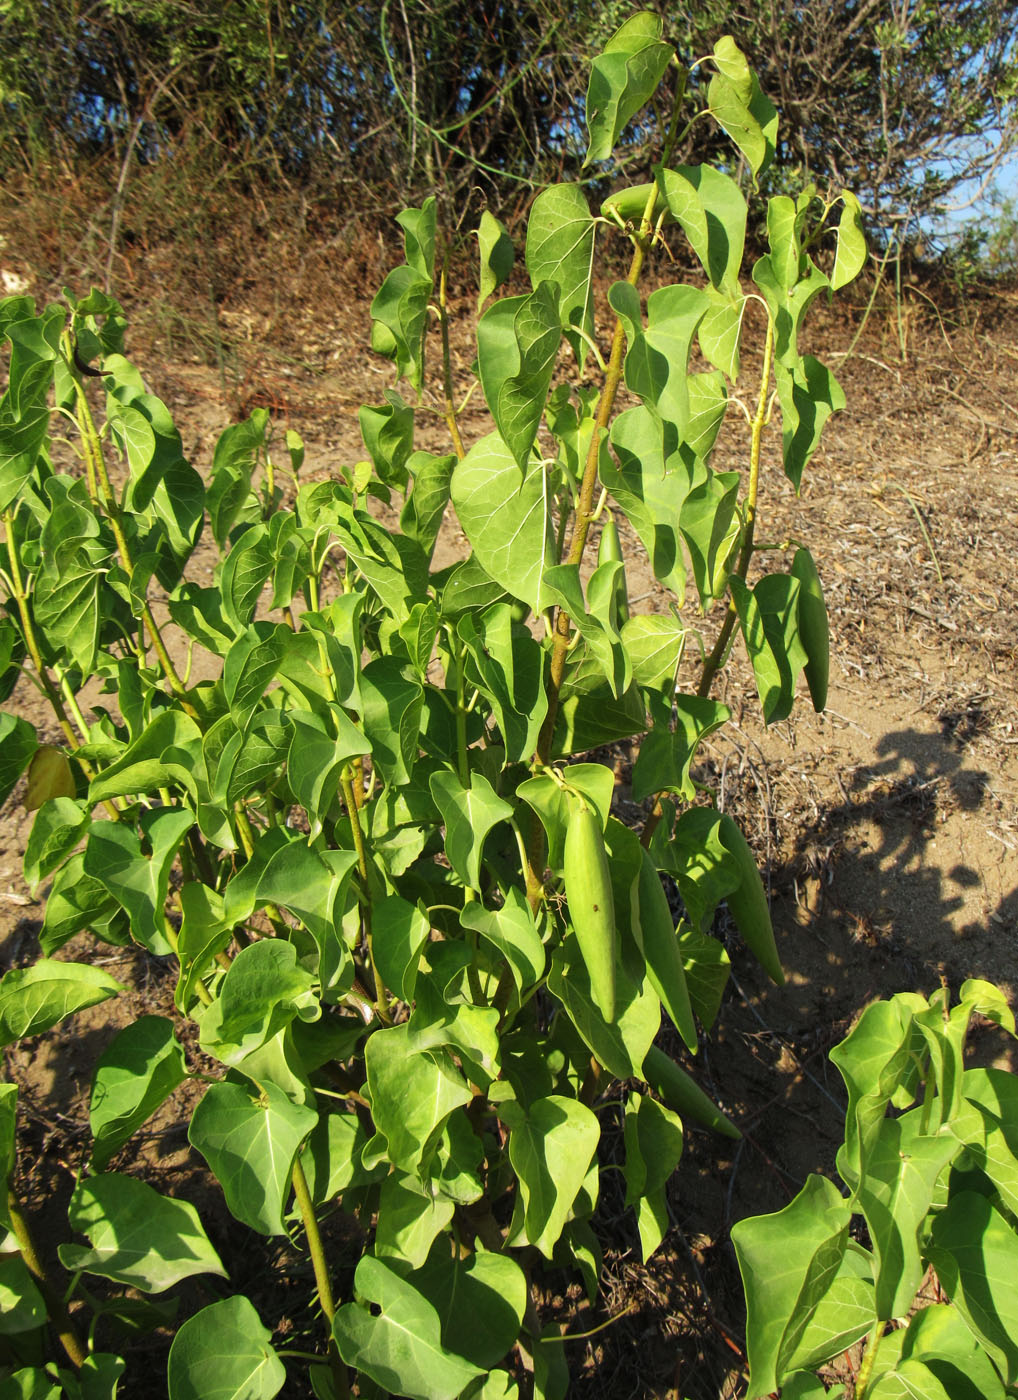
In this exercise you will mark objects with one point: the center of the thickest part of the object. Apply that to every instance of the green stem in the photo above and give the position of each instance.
(862, 1380)
(55, 1307)
(322, 1281)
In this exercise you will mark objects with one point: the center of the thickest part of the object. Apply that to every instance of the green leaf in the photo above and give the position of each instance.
(419, 227)
(262, 992)
(399, 931)
(22, 1307)
(654, 930)
(712, 212)
(8, 1143)
(895, 1193)
(652, 643)
(808, 393)
(975, 1253)
(719, 332)
(400, 1347)
(422, 515)
(388, 433)
(408, 1222)
(138, 1237)
(560, 250)
(249, 669)
(77, 901)
(872, 1060)
(656, 366)
(321, 745)
(551, 1153)
(711, 527)
(844, 1314)
(332, 1156)
(204, 932)
(249, 1141)
(34, 999)
(551, 802)
(224, 1353)
(769, 618)
(750, 119)
(136, 881)
(513, 932)
(623, 78)
(139, 1069)
(813, 627)
(850, 257)
(910, 1380)
(400, 306)
(17, 745)
(391, 708)
(480, 1300)
(707, 966)
(788, 1261)
(666, 755)
(244, 574)
(469, 813)
(233, 462)
(596, 717)
(141, 768)
(60, 823)
(496, 250)
(788, 308)
(621, 1045)
(939, 1338)
(517, 344)
(509, 665)
(653, 1137)
(413, 1092)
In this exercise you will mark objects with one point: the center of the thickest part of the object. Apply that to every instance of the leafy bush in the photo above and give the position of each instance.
(417, 947)
(936, 1183)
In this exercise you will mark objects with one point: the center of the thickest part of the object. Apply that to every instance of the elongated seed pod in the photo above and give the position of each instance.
(748, 904)
(683, 1094)
(591, 908)
(813, 628)
(661, 951)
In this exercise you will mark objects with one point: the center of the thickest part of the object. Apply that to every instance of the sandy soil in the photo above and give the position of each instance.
(888, 825)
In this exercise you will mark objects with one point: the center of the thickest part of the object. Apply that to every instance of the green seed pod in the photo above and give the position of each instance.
(683, 1094)
(631, 205)
(609, 551)
(660, 946)
(813, 628)
(591, 907)
(748, 904)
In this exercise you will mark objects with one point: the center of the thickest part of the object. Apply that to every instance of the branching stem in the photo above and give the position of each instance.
(55, 1306)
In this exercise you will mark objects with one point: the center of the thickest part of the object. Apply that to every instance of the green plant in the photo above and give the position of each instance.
(420, 952)
(930, 1162)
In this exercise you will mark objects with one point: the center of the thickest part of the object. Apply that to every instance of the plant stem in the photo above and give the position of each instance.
(324, 1285)
(862, 1380)
(716, 658)
(55, 1306)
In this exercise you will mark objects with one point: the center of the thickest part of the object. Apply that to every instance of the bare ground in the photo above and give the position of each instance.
(888, 825)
